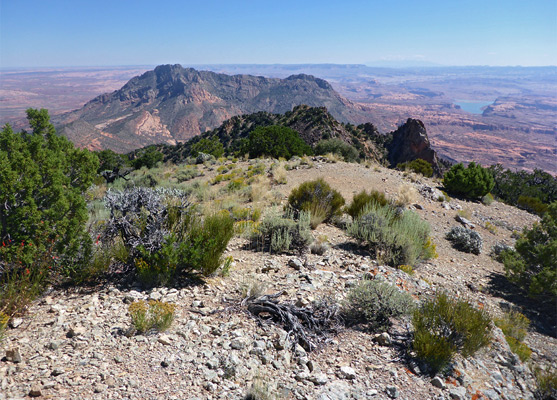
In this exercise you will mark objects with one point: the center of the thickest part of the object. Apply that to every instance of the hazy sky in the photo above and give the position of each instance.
(137, 32)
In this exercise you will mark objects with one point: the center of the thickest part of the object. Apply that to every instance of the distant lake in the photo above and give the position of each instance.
(474, 107)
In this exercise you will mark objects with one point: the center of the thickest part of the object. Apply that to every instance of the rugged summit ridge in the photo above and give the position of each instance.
(171, 104)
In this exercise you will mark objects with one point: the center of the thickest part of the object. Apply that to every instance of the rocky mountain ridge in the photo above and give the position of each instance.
(172, 104)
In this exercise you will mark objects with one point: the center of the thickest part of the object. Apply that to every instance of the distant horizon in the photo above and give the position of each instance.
(369, 65)
(57, 33)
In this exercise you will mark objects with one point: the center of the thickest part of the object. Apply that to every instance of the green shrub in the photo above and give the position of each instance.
(393, 236)
(43, 178)
(515, 326)
(373, 302)
(419, 166)
(362, 199)
(488, 199)
(532, 205)
(189, 172)
(316, 197)
(276, 141)
(148, 157)
(473, 181)
(338, 147)
(208, 146)
(546, 381)
(445, 326)
(533, 263)
(281, 233)
(153, 315)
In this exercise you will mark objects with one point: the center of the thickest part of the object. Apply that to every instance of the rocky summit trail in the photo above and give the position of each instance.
(77, 344)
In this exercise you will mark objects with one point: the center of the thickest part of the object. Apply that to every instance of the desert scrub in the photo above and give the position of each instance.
(279, 174)
(260, 389)
(488, 199)
(418, 166)
(515, 326)
(532, 265)
(317, 198)
(187, 173)
(444, 326)
(546, 381)
(472, 182)
(279, 233)
(319, 245)
(362, 199)
(407, 194)
(490, 227)
(4, 318)
(152, 315)
(337, 147)
(465, 240)
(406, 269)
(394, 236)
(373, 303)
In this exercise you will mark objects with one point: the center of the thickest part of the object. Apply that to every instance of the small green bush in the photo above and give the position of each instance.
(546, 381)
(515, 326)
(362, 199)
(337, 147)
(208, 146)
(488, 199)
(276, 141)
(445, 326)
(532, 205)
(533, 263)
(473, 182)
(281, 233)
(316, 197)
(374, 302)
(395, 237)
(189, 172)
(148, 157)
(419, 166)
(153, 315)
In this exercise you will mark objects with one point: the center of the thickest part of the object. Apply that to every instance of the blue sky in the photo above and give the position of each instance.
(136, 32)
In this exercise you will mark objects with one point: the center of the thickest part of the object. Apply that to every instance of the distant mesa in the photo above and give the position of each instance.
(172, 104)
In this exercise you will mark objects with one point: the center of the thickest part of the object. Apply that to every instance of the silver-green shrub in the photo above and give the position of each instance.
(396, 237)
(279, 233)
(374, 302)
(466, 240)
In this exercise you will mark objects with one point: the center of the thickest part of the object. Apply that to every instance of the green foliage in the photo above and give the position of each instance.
(509, 185)
(338, 147)
(374, 302)
(464, 239)
(148, 157)
(280, 233)
(546, 381)
(488, 199)
(395, 237)
(532, 205)
(109, 160)
(187, 173)
(363, 199)
(445, 326)
(42, 181)
(276, 141)
(533, 263)
(473, 181)
(515, 326)
(211, 146)
(316, 197)
(153, 315)
(419, 166)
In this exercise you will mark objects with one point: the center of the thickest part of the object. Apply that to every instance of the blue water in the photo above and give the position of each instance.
(474, 107)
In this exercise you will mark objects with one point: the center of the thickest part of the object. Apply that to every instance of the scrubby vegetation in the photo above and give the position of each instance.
(445, 326)
(151, 315)
(533, 263)
(337, 147)
(373, 303)
(42, 210)
(465, 240)
(473, 181)
(279, 233)
(418, 166)
(515, 326)
(392, 235)
(361, 200)
(276, 141)
(318, 199)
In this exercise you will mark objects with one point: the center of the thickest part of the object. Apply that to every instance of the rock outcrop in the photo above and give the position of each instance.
(410, 142)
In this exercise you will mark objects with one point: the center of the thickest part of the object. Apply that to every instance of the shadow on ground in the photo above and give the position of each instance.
(540, 312)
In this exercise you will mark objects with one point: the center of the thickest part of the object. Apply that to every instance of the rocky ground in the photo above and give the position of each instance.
(76, 343)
